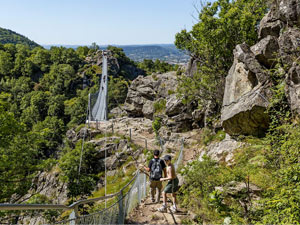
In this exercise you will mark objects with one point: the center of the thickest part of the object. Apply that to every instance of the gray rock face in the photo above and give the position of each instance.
(222, 151)
(289, 43)
(289, 11)
(117, 112)
(270, 24)
(247, 88)
(148, 109)
(265, 51)
(293, 87)
(174, 106)
(146, 92)
(245, 98)
(180, 123)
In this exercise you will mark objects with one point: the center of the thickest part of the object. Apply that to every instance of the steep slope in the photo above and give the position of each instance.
(9, 36)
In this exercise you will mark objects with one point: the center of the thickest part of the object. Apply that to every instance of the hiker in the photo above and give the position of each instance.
(156, 167)
(171, 187)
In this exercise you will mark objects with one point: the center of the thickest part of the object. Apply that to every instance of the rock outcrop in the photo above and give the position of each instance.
(114, 65)
(247, 89)
(154, 96)
(222, 151)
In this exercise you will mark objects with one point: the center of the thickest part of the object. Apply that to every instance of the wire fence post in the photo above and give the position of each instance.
(72, 218)
(130, 134)
(146, 147)
(112, 127)
(89, 110)
(139, 187)
(97, 125)
(161, 144)
(145, 185)
(121, 209)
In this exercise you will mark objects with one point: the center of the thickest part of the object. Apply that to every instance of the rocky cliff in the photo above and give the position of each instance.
(247, 90)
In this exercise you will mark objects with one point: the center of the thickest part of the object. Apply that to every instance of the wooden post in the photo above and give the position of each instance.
(146, 147)
(97, 124)
(130, 134)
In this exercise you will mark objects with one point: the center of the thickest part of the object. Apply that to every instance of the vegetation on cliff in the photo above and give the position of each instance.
(222, 25)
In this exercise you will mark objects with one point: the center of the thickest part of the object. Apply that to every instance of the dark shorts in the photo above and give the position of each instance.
(172, 186)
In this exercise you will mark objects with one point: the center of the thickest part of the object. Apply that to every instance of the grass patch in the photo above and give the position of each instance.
(159, 106)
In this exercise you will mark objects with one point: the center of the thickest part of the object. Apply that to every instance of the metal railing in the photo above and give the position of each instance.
(117, 212)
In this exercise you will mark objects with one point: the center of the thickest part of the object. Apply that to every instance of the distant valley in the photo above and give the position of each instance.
(164, 52)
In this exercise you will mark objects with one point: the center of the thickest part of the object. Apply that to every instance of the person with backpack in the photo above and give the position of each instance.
(156, 168)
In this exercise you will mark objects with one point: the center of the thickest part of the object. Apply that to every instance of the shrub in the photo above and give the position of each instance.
(159, 106)
(156, 125)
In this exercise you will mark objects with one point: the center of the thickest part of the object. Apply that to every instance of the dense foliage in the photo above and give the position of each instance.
(156, 66)
(221, 26)
(41, 96)
(11, 37)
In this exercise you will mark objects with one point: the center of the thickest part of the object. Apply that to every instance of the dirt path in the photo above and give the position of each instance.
(147, 213)
(141, 130)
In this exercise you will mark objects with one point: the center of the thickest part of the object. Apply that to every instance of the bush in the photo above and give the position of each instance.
(159, 106)
(156, 125)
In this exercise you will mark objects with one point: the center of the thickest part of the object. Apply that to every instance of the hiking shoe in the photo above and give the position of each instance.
(162, 209)
(173, 209)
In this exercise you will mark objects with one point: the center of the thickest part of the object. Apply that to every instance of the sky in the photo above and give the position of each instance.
(82, 22)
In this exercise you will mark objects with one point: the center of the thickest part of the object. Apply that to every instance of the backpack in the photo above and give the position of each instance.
(156, 170)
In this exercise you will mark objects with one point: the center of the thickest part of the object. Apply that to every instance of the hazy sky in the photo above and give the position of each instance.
(101, 21)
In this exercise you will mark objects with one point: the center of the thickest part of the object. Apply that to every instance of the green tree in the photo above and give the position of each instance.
(18, 161)
(222, 25)
(6, 63)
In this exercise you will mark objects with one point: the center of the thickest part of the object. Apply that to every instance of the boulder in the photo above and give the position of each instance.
(174, 106)
(246, 95)
(243, 53)
(144, 91)
(266, 51)
(222, 151)
(247, 115)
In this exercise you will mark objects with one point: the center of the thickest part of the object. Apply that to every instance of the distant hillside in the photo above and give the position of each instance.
(167, 53)
(8, 36)
(164, 52)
